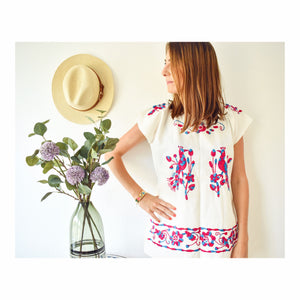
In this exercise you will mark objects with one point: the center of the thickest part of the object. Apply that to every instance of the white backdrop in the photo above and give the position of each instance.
(253, 79)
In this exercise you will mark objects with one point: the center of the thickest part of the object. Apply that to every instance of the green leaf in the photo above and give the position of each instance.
(83, 189)
(102, 111)
(63, 149)
(105, 124)
(84, 152)
(76, 159)
(35, 153)
(32, 161)
(95, 165)
(46, 195)
(49, 165)
(40, 129)
(102, 151)
(99, 137)
(70, 142)
(90, 119)
(45, 122)
(62, 146)
(107, 161)
(69, 186)
(43, 181)
(31, 134)
(111, 143)
(57, 163)
(97, 130)
(94, 154)
(54, 180)
(89, 136)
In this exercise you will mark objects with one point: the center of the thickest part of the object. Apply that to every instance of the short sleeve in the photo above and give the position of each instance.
(148, 121)
(240, 121)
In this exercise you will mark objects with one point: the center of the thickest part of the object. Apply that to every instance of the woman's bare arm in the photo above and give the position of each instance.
(131, 138)
(151, 204)
(240, 190)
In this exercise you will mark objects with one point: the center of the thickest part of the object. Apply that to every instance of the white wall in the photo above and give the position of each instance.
(253, 78)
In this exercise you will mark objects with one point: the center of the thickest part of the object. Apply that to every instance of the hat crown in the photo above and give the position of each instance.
(81, 87)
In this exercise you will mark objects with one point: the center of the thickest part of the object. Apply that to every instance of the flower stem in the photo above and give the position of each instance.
(90, 225)
(81, 241)
(95, 226)
(63, 192)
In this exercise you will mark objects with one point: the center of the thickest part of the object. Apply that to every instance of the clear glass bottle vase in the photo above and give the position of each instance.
(86, 232)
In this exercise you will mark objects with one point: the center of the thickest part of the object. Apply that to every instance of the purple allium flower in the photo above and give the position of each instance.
(75, 175)
(99, 174)
(49, 150)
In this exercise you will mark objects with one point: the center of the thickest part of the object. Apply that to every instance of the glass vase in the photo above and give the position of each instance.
(86, 232)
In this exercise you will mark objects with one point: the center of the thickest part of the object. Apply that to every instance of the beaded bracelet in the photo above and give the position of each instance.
(141, 196)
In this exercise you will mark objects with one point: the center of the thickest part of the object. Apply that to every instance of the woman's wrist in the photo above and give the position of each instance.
(141, 195)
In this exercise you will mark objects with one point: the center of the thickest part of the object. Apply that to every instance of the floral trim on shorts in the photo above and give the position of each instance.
(212, 240)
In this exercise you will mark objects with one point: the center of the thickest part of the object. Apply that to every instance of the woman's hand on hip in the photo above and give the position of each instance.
(153, 204)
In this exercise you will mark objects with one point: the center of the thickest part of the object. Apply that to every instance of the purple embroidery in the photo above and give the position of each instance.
(157, 108)
(179, 176)
(201, 128)
(212, 240)
(219, 180)
(234, 108)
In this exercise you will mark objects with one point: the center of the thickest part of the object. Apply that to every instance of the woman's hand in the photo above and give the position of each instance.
(240, 250)
(153, 204)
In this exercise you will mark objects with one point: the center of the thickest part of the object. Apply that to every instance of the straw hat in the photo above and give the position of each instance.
(81, 84)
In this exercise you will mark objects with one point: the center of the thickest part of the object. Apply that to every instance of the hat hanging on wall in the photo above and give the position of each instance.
(81, 84)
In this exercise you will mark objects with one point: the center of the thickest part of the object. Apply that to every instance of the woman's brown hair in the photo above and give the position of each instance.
(196, 74)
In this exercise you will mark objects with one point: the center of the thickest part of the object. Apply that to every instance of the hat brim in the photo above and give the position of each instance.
(105, 74)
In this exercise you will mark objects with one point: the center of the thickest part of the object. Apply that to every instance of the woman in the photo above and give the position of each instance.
(198, 153)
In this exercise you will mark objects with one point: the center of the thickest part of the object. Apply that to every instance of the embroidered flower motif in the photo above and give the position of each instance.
(75, 175)
(234, 108)
(217, 180)
(100, 175)
(49, 150)
(212, 240)
(179, 176)
(176, 238)
(157, 108)
(201, 128)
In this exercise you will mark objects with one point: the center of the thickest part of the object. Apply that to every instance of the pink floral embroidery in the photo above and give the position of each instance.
(179, 176)
(234, 108)
(201, 128)
(213, 240)
(218, 180)
(157, 108)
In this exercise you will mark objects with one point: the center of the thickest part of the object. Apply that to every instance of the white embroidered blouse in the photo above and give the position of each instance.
(194, 174)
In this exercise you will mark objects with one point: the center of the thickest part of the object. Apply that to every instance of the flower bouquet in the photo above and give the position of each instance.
(75, 176)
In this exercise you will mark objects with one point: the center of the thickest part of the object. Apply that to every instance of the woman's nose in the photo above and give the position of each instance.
(165, 71)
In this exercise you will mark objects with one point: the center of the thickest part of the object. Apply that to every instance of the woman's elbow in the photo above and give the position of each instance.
(239, 180)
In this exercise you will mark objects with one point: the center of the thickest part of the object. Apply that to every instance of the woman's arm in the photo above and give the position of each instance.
(126, 142)
(240, 190)
(149, 202)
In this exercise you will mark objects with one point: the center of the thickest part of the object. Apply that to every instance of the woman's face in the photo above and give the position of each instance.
(166, 72)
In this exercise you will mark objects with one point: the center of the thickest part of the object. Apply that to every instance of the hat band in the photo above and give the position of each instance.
(100, 95)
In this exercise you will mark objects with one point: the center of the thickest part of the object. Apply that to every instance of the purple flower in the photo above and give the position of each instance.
(99, 174)
(49, 150)
(75, 175)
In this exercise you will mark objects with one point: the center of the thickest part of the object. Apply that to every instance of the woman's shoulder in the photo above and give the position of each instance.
(229, 108)
(158, 108)
(238, 120)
